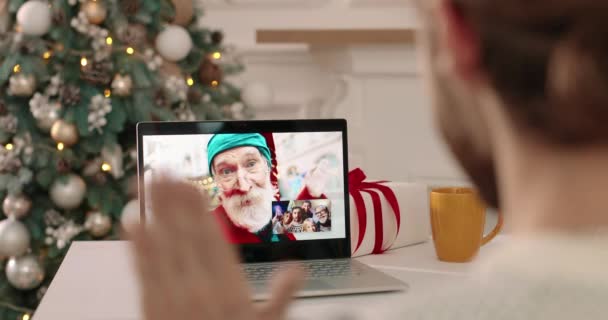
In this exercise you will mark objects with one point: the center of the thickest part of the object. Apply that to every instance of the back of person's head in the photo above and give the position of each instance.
(533, 71)
(547, 60)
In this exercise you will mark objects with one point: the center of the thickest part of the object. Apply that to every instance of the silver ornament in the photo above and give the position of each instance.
(122, 85)
(25, 272)
(14, 238)
(98, 224)
(16, 206)
(22, 85)
(130, 213)
(68, 194)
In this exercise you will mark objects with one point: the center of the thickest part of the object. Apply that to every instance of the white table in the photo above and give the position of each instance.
(96, 281)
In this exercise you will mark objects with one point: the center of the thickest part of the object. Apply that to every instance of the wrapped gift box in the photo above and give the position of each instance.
(413, 200)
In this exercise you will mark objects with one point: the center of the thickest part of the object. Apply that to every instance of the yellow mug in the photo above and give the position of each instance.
(458, 217)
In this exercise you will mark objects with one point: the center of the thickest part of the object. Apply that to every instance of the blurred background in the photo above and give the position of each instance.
(352, 59)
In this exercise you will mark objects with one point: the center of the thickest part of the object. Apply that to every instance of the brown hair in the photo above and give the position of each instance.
(300, 214)
(548, 60)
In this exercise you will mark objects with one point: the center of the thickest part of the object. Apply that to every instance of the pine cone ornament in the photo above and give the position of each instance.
(129, 7)
(134, 34)
(217, 37)
(97, 73)
(8, 123)
(100, 178)
(26, 48)
(210, 72)
(194, 96)
(9, 161)
(70, 95)
(63, 166)
(3, 108)
(161, 99)
(58, 17)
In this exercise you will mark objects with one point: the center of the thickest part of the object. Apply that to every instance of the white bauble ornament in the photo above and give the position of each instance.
(173, 43)
(35, 18)
(25, 272)
(98, 224)
(130, 213)
(68, 194)
(14, 238)
(257, 95)
(16, 206)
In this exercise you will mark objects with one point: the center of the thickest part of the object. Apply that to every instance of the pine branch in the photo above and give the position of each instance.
(15, 308)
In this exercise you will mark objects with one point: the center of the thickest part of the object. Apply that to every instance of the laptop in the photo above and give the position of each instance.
(279, 192)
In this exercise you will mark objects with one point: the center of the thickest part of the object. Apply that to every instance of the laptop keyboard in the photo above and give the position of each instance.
(314, 269)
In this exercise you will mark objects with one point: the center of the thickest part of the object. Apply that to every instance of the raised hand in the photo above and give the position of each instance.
(185, 268)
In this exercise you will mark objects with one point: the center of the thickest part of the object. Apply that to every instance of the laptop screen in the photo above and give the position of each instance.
(265, 187)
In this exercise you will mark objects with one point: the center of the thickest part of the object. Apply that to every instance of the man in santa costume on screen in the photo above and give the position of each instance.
(244, 168)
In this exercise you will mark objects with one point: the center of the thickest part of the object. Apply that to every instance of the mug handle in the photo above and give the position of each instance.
(494, 232)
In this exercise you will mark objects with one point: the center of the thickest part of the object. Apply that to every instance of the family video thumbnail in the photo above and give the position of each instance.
(301, 216)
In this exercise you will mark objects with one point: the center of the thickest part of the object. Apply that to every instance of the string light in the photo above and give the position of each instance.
(109, 41)
(217, 55)
(60, 146)
(105, 167)
(107, 93)
(84, 61)
(9, 146)
(17, 68)
(215, 83)
(26, 316)
(190, 81)
(130, 50)
(47, 55)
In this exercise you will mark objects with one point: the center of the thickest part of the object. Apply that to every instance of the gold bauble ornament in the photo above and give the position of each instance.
(22, 85)
(98, 224)
(64, 132)
(122, 85)
(95, 10)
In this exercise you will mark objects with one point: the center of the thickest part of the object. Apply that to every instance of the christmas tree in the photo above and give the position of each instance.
(75, 78)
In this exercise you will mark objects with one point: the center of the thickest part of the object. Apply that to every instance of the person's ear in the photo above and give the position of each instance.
(461, 38)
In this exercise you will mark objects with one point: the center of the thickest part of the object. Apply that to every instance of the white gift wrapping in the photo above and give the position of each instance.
(415, 227)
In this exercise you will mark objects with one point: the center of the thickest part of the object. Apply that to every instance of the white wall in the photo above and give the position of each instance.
(378, 89)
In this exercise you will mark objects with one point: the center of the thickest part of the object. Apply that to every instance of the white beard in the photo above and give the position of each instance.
(255, 216)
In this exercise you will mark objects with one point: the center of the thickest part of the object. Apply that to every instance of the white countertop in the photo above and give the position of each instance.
(96, 281)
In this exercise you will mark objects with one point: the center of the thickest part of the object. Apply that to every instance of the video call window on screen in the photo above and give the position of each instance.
(265, 187)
